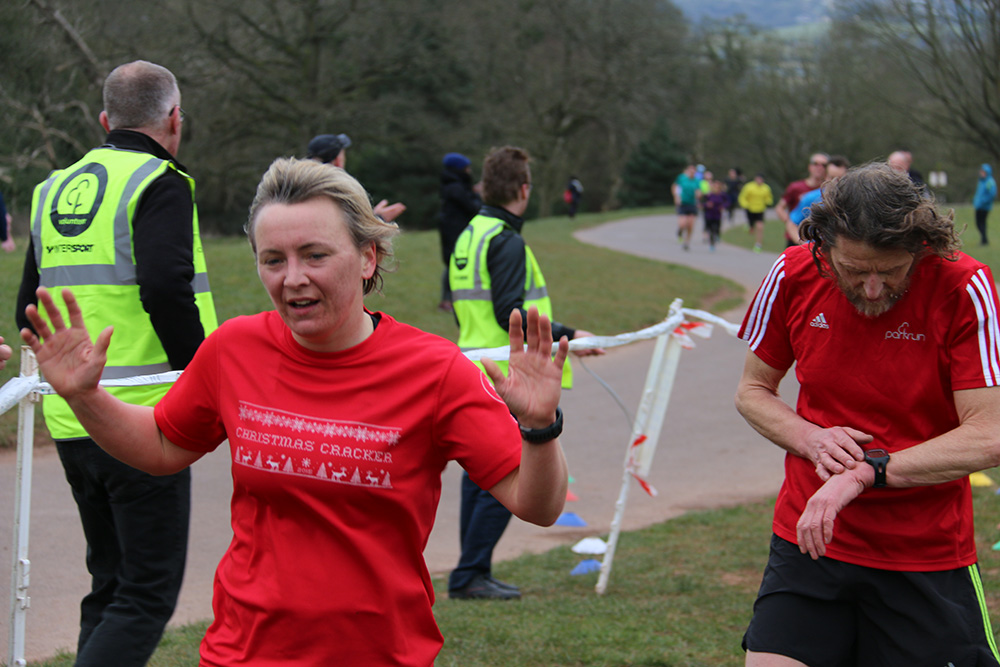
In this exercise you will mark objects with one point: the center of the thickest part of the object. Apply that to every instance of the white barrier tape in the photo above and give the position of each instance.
(731, 329)
(632, 467)
(138, 380)
(667, 325)
(18, 387)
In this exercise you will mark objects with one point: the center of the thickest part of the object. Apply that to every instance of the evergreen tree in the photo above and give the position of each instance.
(652, 168)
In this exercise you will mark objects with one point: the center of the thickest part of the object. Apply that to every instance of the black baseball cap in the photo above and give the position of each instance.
(326, 147)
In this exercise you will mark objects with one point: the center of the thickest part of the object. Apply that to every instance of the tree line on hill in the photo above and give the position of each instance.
(619, 93)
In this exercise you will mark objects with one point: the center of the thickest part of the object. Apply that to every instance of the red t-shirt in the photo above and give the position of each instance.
(893, 377)
(337, 462)
(794, 191)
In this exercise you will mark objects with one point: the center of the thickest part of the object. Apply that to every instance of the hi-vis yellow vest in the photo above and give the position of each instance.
(81, 227)
(472, 299)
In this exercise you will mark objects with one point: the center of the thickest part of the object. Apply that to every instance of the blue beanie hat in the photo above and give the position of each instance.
(456, 161)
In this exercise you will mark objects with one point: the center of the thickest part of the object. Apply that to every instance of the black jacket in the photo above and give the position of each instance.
(459, 204)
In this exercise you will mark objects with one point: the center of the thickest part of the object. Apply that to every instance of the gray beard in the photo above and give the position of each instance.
(872, 309)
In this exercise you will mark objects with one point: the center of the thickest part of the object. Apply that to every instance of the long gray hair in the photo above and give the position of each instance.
(882, 208)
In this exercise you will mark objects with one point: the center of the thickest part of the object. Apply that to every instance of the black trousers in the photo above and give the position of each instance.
(482, 520)
(136, 527)
(981, 224)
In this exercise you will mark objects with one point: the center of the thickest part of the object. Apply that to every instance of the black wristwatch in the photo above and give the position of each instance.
(878, 459)
(539, 435)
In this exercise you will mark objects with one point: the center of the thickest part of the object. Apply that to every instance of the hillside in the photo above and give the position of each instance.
(764, 13)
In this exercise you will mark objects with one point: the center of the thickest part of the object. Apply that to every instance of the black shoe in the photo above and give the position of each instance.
(503, 584)
(484, 587)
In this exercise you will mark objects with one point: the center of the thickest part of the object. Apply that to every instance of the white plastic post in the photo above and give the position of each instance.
(648, 422)
(21, 570)
(661, 398)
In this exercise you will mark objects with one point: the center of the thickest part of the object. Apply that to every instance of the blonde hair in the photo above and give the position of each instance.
(293, 181)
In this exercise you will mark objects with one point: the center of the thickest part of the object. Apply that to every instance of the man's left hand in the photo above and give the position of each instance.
(590, 352)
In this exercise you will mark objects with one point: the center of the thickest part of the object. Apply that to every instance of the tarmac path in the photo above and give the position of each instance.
(707, 457)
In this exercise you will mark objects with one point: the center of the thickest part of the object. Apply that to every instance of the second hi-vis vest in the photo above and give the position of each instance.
(81, 227)
(472, 299)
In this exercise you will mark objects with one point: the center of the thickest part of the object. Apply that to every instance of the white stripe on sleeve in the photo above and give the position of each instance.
(981, 291)
(760, 309)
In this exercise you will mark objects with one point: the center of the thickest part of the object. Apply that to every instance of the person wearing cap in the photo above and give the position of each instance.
(332, 149)
(459, 203)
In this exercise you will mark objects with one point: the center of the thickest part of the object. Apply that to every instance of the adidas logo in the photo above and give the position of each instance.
(819, 322)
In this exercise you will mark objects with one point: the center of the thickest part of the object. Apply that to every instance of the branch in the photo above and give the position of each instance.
(93, 65)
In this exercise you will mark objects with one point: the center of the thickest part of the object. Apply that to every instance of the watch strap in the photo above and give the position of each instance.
(539, 435)
(878, 459)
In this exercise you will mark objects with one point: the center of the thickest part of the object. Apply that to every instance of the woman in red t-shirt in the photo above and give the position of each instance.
(340, 421)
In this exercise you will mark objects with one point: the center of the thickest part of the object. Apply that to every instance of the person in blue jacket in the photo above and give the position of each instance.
(982, 201)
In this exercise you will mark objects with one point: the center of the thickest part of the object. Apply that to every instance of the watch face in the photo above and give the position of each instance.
(877, 453)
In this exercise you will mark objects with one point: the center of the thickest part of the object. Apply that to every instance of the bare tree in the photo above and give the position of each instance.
(49, 95)
(92, 67)
(952, 49)
(576, 82)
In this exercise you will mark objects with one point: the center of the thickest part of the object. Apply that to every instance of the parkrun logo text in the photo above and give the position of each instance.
(903, 333)
(70, 247)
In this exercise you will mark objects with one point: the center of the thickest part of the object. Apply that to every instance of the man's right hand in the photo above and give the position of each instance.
(387, 211)
(69, 361)
(814, 529)
(834, 450)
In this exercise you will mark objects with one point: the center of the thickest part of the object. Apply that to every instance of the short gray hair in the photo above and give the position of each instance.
(293, 181)
(139, 94)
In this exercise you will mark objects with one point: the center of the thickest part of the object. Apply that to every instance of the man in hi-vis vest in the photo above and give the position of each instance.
(492, 272)
(120, 228)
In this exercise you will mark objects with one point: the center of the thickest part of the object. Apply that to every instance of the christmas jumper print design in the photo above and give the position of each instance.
(339, 452)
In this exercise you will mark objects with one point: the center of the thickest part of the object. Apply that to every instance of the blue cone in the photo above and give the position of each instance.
(570, 519)
(586, 566)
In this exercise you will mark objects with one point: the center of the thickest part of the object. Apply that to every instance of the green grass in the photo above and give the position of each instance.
(774, 235)
(679, 594)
